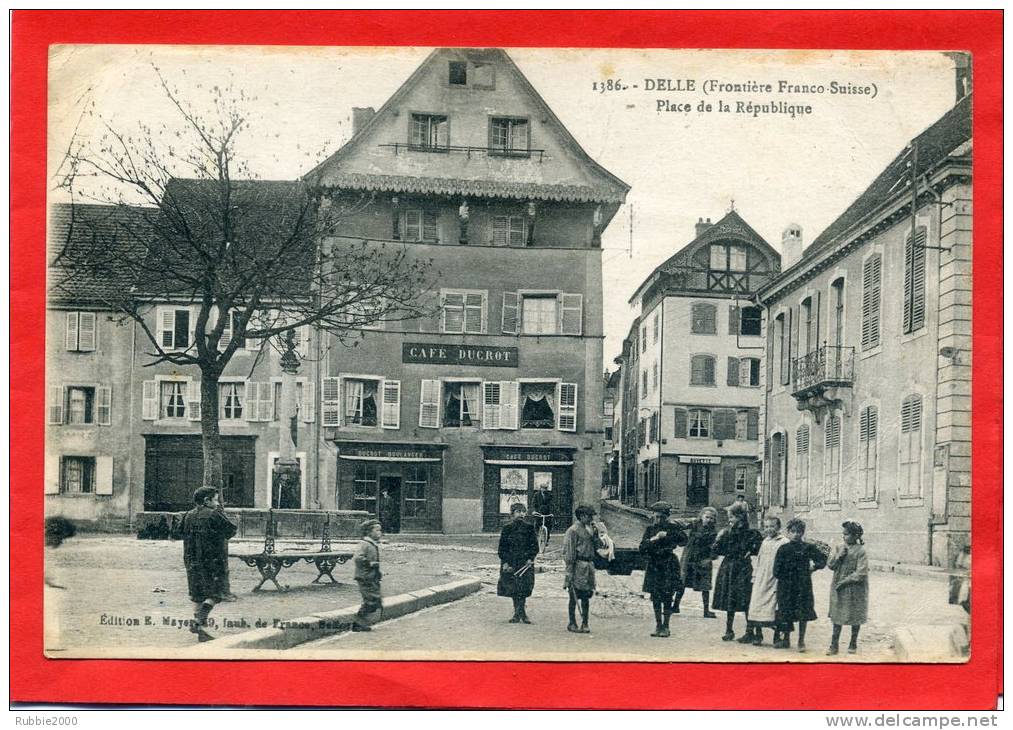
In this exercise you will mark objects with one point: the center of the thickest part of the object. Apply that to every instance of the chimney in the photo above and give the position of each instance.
(361, 117)
(962, 73)
(791, 245)
(702, 225)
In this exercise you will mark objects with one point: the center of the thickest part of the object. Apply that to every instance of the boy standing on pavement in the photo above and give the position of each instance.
(206, 532)
(579, 545)
(367, 573)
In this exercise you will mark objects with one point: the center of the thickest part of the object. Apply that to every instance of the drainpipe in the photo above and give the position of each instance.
(661, 389)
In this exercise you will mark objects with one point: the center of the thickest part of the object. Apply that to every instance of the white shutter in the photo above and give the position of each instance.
(250, 400)
(55, 404)
(566, 398)
(149, 400)
(104, 397)
(226, 337)
(166, 327)
(265, 401)
(193, 400)
(511, 307)
(474, 313)
(391, 416)
(571, 314)
(87, 332)
(52, 476)
(429, 404)
(500, 230)
(490, 405)
(103, 475)
(307, 406)
(452, 305)
(330, 402)
(509, 397)
(71, 335)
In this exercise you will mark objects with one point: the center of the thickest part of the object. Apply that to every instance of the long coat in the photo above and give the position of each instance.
(517, 545)
(578, 555)
(849, 590)
(206, 534)
(734, 581)
(697, 565)
(794, 580)
(368, 575)
(662, 577)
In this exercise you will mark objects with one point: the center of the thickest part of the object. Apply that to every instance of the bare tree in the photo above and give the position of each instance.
(182, 219)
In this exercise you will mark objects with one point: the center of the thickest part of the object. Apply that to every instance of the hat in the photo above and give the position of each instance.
(366, 526)
(662, 507)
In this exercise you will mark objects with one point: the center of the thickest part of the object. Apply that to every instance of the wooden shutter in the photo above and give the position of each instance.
(51, 482)
(330, 402)
(251, 398)
(680, 423)
(500, 230)
(566, 412)
(166, 327)
(391, 417)
(914, 280)
(430, 226)
(734, 316)
(149, 400)
(753, 424)
(770, 357)
(452, 305)
(474, 313)
(87, 336)
(193, 399)
(871, 282)
(510, 395)
(413, 225)
(429, 404)
(733, 371)
(708, 370)
(724, 424)
(104, 405)
(307, 406)
(728, 478)
(56, 404)
(265, 401)
(511, 309)
(103, 475)
(71, 333)
(491, 405)
(571, 314)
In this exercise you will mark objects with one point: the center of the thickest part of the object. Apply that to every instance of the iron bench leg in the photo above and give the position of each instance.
(269, 569)
(324, 567)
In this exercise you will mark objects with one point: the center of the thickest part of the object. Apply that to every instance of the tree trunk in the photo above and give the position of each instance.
(211, 438)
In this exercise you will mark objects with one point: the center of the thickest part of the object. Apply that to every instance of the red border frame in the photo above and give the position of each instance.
(974, 685)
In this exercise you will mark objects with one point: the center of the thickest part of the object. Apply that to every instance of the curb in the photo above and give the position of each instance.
(929, 572)
(327, 623)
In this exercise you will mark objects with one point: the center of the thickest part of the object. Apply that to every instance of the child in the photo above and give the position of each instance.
(367, 573)
(697, 559)
(849, 590)
(793, 567)
(579, 545)
(763, 600)
(518, 547)
(736, 543)
(662, 576)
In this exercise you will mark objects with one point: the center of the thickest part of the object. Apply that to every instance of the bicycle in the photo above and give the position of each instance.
(543, 532)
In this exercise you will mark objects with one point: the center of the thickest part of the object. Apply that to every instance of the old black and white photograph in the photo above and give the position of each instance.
(508, 354)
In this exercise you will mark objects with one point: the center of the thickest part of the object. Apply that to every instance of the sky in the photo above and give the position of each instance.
(777, 169)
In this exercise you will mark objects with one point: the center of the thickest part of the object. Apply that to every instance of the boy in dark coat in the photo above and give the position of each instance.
(697, 560)
(367, 573)
(737, 543)
(793, 567)
(518, 547)
(662, 576)
(206, 532)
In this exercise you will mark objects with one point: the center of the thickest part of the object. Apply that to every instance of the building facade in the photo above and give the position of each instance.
(867, 397)
(698, 368)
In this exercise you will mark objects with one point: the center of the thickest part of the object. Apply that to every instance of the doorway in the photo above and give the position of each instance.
(390, 504)
(698, 485)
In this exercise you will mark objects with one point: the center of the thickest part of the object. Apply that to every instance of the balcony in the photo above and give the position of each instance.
(819, 379)
(468, 150)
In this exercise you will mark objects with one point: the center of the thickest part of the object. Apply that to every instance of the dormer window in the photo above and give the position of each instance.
(430, 132)
(458, 73)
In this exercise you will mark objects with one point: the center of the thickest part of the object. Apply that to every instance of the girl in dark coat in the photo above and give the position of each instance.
(793, 567)
(737, 543)
(518, 547)
(662, 576)
(206, 532)
(697, 559)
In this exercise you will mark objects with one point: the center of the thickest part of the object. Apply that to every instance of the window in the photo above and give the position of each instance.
(784, 333)
(509, 135)
(701, 370)
(699, 423)
(80, 405)
(483, 76)
(361, 402)
(538, 405)
(543, 313)
(173, 399)
(914, 280)
(539, 315)
(230, 400)
(727, 258)
(910, 457)
(736, 258)
(430, 132)
(654, 376)
(458, 73)
(871, 282)
(364, 487)
(868, 452)
(415, 485)
(742, 425)
(509, 230)
(461, 404)
(643, 339)
(77, 475)
(704, 319)
(657, 327)
(173, 328)
(258, 401)
(464, 312)
(802, 465)
(719, 257)
(744, 372)
(741, 477)
(421, 225)
(643, 383)
(300, 394)
(811, 323)
(747, 421)
(750, 320)
(81, 332)
(832, 460)
(837, 302)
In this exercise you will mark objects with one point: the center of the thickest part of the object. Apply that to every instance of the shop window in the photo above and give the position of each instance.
(364, 488)
(461, 404)
(415, 487)
(77, 475)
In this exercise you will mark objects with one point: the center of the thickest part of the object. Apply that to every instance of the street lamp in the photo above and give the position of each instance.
(285, 475)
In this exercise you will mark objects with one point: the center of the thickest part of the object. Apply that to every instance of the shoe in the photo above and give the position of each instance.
(729, 636)
(657, 631)
(573, 628)
(801, 647)
(675, 609)
(758, 640)
(203, 635)
(781, 644)
(515, 620)
(525, 619)
(361, 627)
(584, 629)
(709, 614)
(664, 633)
(230, 598)
(832, 651)
(852, 649)
(746, 638)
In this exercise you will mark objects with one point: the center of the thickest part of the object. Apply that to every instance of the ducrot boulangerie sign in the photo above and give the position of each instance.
(423, 354)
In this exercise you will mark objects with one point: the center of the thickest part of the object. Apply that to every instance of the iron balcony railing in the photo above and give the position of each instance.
(825, 367)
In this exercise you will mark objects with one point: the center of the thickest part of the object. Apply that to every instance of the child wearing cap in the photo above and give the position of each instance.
(367, 573)
(662, 577)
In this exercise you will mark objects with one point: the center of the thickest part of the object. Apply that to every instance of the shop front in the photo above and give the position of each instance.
(401, 484)
(518, 473)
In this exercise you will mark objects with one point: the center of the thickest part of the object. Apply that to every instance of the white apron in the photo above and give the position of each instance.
(763, 599)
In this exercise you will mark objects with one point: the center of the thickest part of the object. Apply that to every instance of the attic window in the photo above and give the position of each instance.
(484, 76)
(458, 73)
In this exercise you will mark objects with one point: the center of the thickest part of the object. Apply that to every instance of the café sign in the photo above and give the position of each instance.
(481, 355)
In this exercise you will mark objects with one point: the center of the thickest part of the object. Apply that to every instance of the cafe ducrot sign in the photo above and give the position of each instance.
(482, 355)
